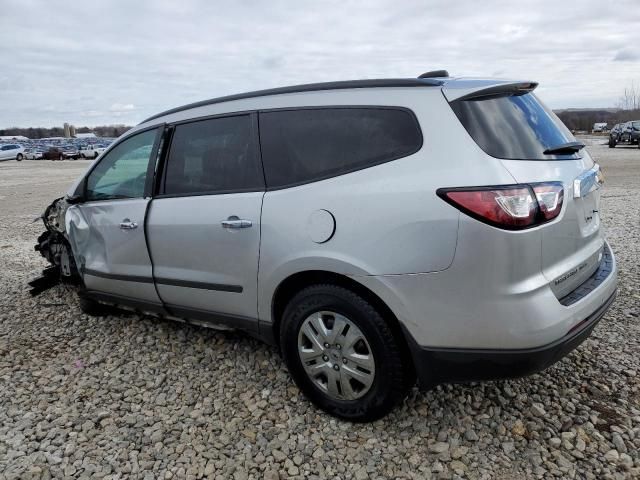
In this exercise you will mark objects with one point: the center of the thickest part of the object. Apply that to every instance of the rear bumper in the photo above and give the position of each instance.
(441, 365)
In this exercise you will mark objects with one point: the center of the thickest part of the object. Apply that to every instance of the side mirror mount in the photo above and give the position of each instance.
(75, 199)
(80, 194)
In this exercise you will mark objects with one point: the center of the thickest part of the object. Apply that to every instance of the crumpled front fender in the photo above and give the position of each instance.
(78, 233)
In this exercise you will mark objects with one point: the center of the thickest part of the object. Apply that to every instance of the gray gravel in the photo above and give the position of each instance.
(131, 397)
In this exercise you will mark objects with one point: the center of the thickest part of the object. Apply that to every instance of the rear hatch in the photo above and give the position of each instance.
(510, 123)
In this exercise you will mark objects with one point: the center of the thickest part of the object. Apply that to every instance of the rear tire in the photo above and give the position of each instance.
(375, 358)
(19, 157)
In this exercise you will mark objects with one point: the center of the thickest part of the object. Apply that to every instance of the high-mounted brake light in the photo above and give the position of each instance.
(511, 207)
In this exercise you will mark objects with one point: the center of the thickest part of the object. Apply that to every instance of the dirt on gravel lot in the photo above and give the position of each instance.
(135, 397)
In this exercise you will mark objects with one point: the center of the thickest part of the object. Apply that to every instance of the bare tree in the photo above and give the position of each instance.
(630, 100)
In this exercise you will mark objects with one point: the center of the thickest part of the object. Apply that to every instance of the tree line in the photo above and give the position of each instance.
(627, 108)
(43, 132)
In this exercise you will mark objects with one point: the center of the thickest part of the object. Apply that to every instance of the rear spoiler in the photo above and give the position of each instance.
(500, 90)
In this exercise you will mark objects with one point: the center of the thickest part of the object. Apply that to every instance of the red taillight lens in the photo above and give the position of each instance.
(511, 207)
(549, 197)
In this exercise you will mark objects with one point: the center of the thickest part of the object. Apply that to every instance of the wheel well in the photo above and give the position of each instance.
(296, 282)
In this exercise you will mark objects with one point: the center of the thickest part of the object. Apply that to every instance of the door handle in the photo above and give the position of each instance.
(235, 222)
(127, 224)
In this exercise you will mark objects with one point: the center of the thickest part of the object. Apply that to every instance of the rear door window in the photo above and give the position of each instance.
(305, 145)
(513, 127)
(216, 155)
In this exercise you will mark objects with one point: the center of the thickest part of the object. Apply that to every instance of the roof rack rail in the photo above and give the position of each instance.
(310, 87)
(435, 74)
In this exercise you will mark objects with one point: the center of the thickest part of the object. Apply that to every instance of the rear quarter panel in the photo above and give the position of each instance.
(389, 220)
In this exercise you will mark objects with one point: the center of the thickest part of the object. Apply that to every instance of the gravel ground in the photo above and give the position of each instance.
(132, 397)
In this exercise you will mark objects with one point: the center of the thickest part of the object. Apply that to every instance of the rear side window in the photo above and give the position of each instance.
(304, 145)
(211, 156)
(516, 127)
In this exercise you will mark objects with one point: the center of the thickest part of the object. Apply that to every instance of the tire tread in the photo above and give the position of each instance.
(399, 378)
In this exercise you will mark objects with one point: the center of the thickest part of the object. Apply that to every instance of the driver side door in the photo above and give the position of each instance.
(107, 230)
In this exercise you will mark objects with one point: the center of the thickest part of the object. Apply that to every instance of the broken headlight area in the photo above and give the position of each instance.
(53, 245)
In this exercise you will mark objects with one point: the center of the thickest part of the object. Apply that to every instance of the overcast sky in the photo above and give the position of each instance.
(93, 63)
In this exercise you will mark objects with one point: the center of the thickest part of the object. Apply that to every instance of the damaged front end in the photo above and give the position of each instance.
(54, 245)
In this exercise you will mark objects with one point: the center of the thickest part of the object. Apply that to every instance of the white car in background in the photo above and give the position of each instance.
(11, 151)
(31, 154)
(90, 151)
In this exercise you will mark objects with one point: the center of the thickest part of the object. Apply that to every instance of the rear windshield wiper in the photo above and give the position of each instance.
(569, 147)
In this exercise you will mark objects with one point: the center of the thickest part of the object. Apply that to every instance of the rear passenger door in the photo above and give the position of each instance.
(204, 224)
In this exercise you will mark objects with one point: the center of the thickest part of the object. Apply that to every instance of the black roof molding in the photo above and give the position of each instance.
(310, 87)
(435, 74)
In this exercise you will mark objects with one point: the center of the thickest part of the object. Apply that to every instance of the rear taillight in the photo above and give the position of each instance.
(512, 207)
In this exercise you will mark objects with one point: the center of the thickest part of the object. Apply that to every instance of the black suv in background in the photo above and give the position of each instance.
(628, 133)
(53, 153)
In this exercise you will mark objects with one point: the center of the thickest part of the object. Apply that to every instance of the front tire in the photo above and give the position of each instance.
(612, 143)
(343, 354)
(19, 157)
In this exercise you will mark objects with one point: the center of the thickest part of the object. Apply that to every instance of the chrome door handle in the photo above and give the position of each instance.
(235, 222)
(127, 224)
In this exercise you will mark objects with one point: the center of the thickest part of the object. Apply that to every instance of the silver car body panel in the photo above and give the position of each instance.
(450, 280)
(111, 259)
(575, 239)
(200, 264)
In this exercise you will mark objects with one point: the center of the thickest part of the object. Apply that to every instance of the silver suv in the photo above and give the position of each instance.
(376, 231)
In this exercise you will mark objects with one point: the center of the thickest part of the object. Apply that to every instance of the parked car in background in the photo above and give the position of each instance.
(615, 132)
(11, 151)
(599, 127)
(53, 153)
(376, 232)
(631, 132)
(70, 153)
(628, 133)
(32, 154)
(90, 151)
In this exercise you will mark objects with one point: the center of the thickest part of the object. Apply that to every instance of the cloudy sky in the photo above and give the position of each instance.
(93, 63)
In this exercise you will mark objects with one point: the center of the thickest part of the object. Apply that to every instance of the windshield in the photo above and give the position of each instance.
(514, 127)
(636, 124)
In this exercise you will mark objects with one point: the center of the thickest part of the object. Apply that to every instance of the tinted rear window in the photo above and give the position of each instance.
(300, 146)
(516, 127)
(211, 156)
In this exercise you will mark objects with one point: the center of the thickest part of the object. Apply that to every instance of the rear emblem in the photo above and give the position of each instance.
(569, 274)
